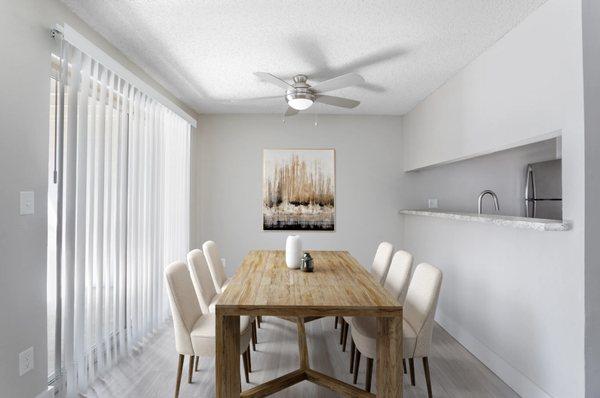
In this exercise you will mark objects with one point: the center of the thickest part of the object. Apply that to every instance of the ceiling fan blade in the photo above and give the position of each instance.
(337, 101)
(291, 111)
(349, 79)
(267, 77)
(270, 97)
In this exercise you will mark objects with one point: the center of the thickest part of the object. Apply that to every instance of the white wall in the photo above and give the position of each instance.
(25, 45)
(228, 181)
(515, 298)
(516, 91)
(458, 185)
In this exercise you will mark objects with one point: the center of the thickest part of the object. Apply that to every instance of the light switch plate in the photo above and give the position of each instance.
(25, 361)
(27, 203)
(432, 203)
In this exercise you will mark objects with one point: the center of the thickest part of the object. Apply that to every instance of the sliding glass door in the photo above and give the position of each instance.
(118, 213)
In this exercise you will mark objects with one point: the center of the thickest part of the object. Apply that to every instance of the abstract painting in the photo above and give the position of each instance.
(298, 190)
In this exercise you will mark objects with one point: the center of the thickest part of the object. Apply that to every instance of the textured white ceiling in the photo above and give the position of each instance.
(205, 52)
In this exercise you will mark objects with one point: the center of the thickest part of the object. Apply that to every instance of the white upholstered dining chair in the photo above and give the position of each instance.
(217, 269)
(379, 270)
(417, 326)
(205, 288)
(195, 331)
(215, 265)
(396, 282)
(382, 260)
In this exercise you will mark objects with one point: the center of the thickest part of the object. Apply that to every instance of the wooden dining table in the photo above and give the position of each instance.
(339, 286)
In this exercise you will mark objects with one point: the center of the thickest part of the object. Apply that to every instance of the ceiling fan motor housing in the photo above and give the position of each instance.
(301, 90)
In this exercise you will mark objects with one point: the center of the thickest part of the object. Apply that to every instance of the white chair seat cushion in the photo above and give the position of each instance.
(364, 334)
(203, 335)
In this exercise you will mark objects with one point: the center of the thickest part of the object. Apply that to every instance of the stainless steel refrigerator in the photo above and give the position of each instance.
(543, 190)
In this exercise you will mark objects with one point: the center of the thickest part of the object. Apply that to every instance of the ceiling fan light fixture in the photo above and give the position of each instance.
(300, 104)
(300, 98)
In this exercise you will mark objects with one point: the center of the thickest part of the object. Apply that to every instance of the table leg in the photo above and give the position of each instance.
(227, 361)
(302, 345)
(389, 357)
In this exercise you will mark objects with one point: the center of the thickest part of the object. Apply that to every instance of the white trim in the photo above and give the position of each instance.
(86, 46)
(519, 382)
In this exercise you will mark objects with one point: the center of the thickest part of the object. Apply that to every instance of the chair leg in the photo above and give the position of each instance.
(427, 376)
(342, 322)
(249, 362)
(245, 361)
(191, 368)
(369, 374)
(197, 362)
(346, 327)
(352, 351)
(179, 372)
(411, 365)
(356, 366)
(254, 336)
(337, 318)
(258, 320)
(404, 365)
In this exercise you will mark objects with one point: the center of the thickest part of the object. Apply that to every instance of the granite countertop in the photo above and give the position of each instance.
(538, 224)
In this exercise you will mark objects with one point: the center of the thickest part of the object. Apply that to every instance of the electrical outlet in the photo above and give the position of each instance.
(26, 361)
(27, 203)
(432, 203)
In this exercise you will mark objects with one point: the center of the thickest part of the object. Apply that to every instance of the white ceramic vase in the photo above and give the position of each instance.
(293, 251)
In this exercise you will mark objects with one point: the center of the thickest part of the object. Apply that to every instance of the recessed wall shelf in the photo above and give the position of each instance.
(538, 224)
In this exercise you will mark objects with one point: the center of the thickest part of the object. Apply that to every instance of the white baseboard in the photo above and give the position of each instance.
(522, 385)
(48, 393)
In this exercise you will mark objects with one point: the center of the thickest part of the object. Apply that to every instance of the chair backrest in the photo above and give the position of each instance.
(398, 276)
(202, 279)
(381, 262)
(215, 265)
(420, 305)
(184, 305)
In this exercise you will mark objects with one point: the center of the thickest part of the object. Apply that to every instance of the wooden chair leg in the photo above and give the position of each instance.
(254, 336)
(249, 362)
(191, 368)
(346, 327)
(427, 376)
(337, 318)
(342, 322)
(352, 351)
(404, 365)
(245, 361)
(258, 320)
(411, 365)
(356, 366)
(179, 372)
(369, 374)
(197, 362)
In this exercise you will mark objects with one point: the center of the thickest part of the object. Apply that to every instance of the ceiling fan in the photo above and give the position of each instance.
(300, 95)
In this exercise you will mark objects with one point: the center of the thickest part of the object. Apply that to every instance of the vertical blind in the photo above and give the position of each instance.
(122, 213)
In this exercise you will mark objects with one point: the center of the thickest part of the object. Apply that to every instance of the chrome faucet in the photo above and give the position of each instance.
(480, 200)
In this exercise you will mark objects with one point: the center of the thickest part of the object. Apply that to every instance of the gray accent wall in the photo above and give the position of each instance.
(591, 71)
(227, 181)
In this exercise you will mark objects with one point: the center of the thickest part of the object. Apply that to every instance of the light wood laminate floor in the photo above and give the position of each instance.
(150, 373)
